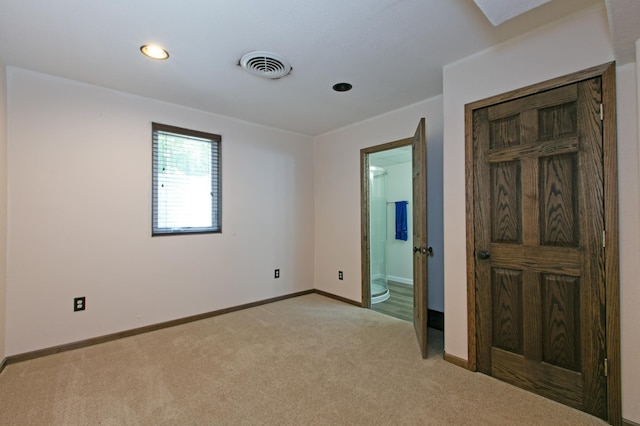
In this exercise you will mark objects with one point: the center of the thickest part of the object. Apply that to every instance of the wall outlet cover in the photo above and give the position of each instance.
(79, 304)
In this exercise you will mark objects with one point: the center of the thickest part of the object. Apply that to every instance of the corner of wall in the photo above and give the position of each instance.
(3, 208)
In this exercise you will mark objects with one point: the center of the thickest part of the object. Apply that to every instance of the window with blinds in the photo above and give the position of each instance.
(186, 181)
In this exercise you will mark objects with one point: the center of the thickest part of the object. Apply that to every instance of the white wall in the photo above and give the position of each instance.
(628, 94)
(576, 43)
(79, 182)
(337, 196)
(3, 207)
(399, 252)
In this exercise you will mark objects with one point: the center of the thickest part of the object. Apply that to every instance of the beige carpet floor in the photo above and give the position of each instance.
(303, 361)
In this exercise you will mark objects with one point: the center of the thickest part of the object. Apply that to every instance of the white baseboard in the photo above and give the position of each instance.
(400, 280)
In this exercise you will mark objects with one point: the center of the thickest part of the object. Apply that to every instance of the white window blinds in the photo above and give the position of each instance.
(186, 181)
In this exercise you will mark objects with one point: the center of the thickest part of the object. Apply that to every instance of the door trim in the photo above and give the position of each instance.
(612, 274)
(364, 212)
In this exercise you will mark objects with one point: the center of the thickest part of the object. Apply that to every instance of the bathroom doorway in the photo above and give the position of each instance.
(390, 243)
(394, 224)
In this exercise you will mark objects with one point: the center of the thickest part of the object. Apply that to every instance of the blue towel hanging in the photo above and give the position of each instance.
(401, 220)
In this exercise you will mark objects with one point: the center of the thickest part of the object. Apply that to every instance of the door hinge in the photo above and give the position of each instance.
(606, 367)
(601, 113)
(604, 239)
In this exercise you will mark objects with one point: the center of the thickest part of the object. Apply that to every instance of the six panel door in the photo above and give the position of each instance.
(539, 228)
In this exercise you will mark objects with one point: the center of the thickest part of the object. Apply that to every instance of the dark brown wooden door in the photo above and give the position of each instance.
(539, 230)
(420, 244)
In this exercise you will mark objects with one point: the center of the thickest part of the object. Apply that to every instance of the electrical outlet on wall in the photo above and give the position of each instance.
(276, 273)
(79, 304)
(340, 275)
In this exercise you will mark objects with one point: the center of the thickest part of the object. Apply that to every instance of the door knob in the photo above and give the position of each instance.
(484, 254)
(423, 250)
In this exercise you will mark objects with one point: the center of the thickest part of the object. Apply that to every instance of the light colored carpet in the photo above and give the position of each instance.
(307, 360)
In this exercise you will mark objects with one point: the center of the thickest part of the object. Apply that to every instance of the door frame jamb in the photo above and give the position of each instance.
(364, 213)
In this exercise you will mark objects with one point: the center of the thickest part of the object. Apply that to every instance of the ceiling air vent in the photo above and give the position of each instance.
(265, 64)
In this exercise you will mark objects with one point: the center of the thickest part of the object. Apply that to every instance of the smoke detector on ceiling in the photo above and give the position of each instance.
(265, 64)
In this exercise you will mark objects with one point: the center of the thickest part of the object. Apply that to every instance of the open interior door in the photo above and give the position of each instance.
(420, 245)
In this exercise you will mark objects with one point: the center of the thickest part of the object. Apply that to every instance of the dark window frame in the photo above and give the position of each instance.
(216, 180)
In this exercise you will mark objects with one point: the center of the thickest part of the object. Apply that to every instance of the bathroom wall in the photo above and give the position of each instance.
(399, 253)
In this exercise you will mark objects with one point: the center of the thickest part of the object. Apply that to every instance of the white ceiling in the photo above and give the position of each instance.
(390, 157)
(392, 51)
(624, 25)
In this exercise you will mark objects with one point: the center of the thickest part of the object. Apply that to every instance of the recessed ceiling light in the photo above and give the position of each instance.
(342, 87)
(154, 52)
